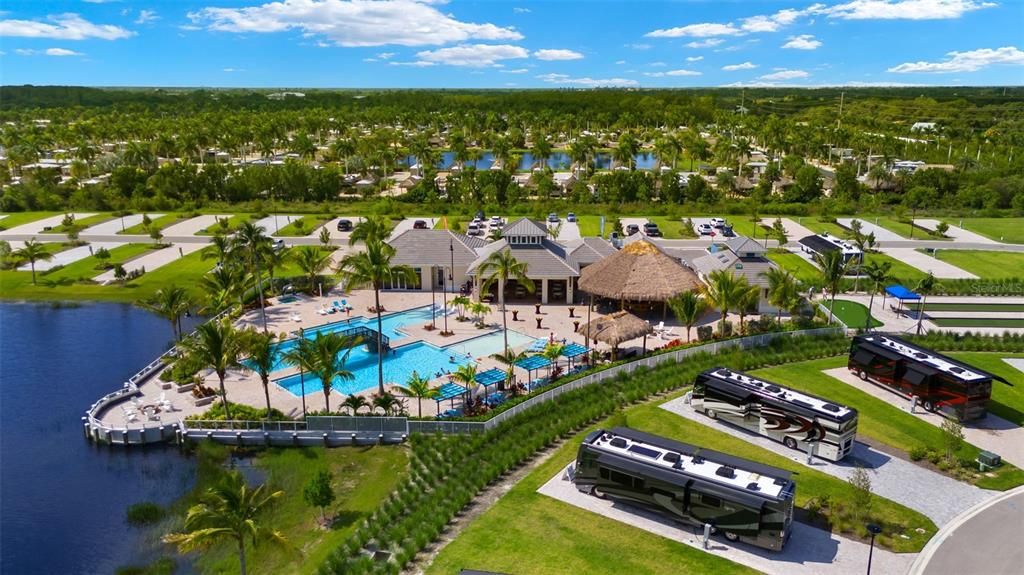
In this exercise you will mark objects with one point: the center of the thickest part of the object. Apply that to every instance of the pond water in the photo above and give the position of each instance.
(62, 499)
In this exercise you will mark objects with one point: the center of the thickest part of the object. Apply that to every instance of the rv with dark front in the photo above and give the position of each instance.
(940, 383)
(743, 500)
(799, 420)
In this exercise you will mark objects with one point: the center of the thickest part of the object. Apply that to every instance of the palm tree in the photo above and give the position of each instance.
(372, 229)
(255, 244)
(388, 404)
(510, 358)
(466, 374)
(222, 286)
(687, 307)
(721, 292)
(355, 403)
(372, 267)
(551, 353)
(462, 302)
(878, 273)
(33, 252)
(217, 346)
(479, 310)
(228, 511)
(833, 269)
(324, 357)
(311, 261)
(747, 297)
(170, 303)
(418, 387)
(924, 287)
(782, 289)
(499, 267)
(262, 358)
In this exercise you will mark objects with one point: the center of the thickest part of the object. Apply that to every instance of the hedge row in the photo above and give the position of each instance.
(949, 341)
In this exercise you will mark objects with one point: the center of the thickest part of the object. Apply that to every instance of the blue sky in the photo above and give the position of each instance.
(496, 44)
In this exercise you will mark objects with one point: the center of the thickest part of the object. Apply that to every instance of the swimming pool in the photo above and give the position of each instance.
(426, 359)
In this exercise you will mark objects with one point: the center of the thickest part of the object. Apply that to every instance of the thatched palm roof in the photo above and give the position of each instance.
(615, 328)
(640, 271)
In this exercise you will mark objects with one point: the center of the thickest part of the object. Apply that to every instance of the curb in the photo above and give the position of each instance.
(925, 556)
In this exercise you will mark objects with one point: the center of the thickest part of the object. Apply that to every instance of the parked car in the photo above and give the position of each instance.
(571, 217)
(705, 229)
(480, 216)
(419, 225)
(278, 244)
(727, 232)
(553, 218)
(496, 221)
(651, 229)
(717, 222)
(344, 225)
(474, 230)
(632, 229)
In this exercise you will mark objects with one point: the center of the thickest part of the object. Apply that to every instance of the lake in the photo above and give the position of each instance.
(63, 499)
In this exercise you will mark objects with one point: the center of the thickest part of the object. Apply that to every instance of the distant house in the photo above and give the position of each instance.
(743, 257)
(923, 127)
(825, 243)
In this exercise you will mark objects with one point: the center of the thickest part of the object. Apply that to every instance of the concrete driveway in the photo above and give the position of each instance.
(192, 226)
(881, 234)
(569, 231)
(955, 232)
(407, 224)
(332, 227)
(927, 263)
(118, 224)
(37, 226)
(70, 256)
(794, 231)
(271, 224)
(154, 259)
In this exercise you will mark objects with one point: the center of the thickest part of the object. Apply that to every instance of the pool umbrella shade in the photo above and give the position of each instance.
(638, 272)
(616, 328)
(491, 377)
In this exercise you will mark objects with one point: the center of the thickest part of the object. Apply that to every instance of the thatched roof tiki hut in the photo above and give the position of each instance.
(616, 328)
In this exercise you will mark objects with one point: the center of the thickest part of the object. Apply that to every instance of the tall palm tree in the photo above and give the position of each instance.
(229, 510)
(372, 229)
(311, 260)
(170, 303)
(499, 267)
(217, 346)
(878, 273)
(833, 269)
(262, 358)
(687, 307)
(372, 267)
(33, 252)
(418, 387)
(924, 287)
(721, 292)
(324, 357)
(747, 297)
(255, 244)
(782, 289)
(223, 285)
(509, 359)
(465, 374)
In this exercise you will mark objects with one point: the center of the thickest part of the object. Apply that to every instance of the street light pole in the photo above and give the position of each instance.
(874, 530)
(433, 299)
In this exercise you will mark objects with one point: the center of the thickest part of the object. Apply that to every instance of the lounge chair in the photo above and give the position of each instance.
(152, 415)
(322, 311)
(336, 305)
(669, 333)
(296, 317)
(659, 327)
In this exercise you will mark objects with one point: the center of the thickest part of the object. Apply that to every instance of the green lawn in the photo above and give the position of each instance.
(818, 226)
(996, 322)
(161, 223)
(363, 477)
(882, 422)
(590, 226)
(904, 273)
(1007, 400)
(309, 225)
(999, 229)
(988, 265)
(80, 223)
(851, 313)
(802, 269)
(233, 223)
(744, 226)
(16, 219)
(1003, 307)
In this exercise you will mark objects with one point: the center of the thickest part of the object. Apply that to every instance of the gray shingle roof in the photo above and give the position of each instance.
(750, 268)
(524, 227)
(547, 260)
(745, 245)
(585, 251)
(431, 248)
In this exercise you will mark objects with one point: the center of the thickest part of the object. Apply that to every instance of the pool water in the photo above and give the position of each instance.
(426, 359)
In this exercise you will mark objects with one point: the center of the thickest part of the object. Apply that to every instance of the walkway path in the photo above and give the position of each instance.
(881, 234)
(809, 551)
(955, 232)
(192, 226)
(939, 497)
(37, 226)
(275, 222)
(118, 224)
(70, 256)
(992, 433)
(153, 260)
(927, 263)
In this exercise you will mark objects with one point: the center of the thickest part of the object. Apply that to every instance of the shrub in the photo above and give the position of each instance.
(162, 566)
(145, 513)
(918, 452)
(238, 412)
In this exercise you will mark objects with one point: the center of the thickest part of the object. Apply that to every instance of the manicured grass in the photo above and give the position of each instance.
(878, 419)
(672, 228)
(310, 224)
(904, 229)
(233, 223)
(81, 224)
(1003, 307)
(16, 219)
(1007, 400)
(989, 265)
(86, 269)
(590, 226)
(161, 223)
(997, 322)
(744, 226)
(851, 313)
(363, 477)
(802, 269)
(904, 273)
(818, 226)
(1000, 229)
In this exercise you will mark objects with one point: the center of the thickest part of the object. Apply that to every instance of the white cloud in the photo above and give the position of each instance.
(971, 61)
(353, 23)
(743, 66)
(672, 73)
(904, 9)
(638, 46)
(474, 55)
(774, 22)
(709, 43)
(63, 27)
(58, 52)
(657, 64)
(231, 70)
(785, 75)
(802, 42)
(704, 30)
(554, 54)
(146, 16)
(417, 64)
(516, 71)
(586, 81)
(386, 55)
(521, 10)
(694, 58)
(620, 62)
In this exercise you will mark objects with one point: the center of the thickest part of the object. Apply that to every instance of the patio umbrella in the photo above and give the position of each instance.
(638, 272)
(616, 328)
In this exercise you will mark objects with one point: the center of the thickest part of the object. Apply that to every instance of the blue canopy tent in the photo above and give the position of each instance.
(449, 391)
(531, 363)
(573, 350)
(491, 377)
(901, 293)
